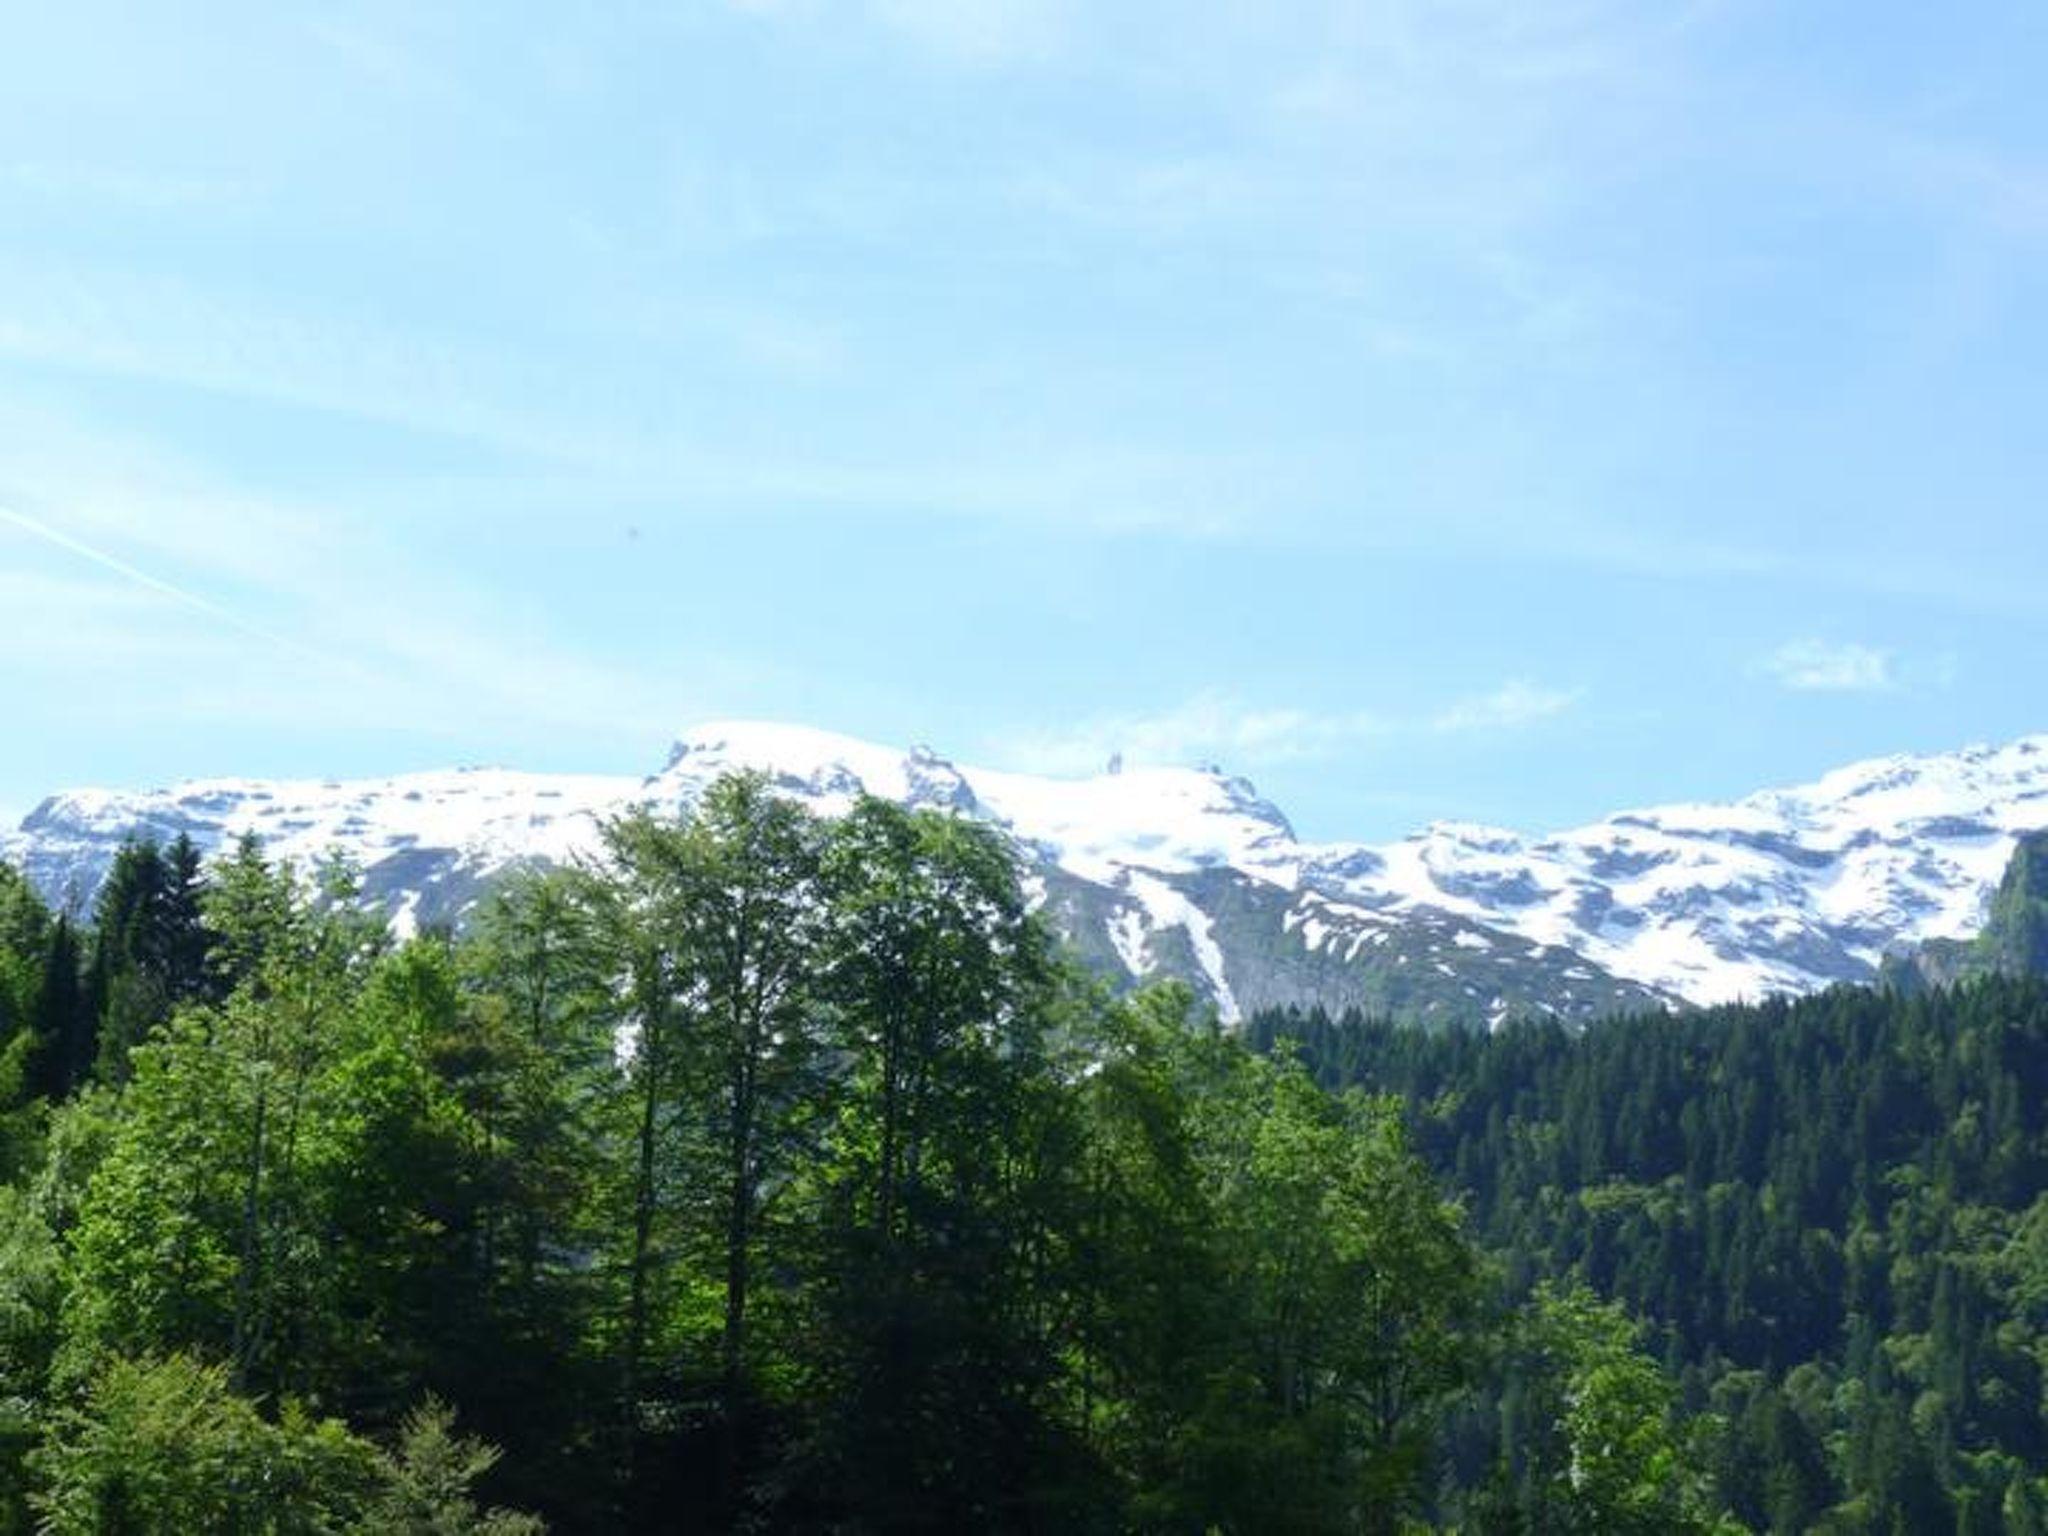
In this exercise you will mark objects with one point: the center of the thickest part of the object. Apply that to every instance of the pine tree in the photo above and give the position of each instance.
(67, 1030)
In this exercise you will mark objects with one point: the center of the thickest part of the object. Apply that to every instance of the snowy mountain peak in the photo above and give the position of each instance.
(1193, 872)
(1784, 890)
(1475, 835)
(798, 751)
(1897, 789)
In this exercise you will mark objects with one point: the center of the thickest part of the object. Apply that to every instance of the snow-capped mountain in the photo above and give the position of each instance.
(1784, 891)
(1170, 871)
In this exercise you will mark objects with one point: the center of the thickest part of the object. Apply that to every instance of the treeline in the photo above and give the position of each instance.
(769, 1174)
(1833, 1212)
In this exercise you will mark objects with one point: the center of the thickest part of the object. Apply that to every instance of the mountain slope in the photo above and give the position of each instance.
(1784, 891)
(1168, 871)
(2014, 940)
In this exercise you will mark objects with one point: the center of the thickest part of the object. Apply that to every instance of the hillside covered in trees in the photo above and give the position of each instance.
(777, 1173)
(1832, 1213)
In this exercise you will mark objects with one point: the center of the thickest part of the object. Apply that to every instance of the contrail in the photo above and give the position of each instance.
(143, 578)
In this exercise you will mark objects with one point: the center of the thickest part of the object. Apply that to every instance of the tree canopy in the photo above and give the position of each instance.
(771, 1173)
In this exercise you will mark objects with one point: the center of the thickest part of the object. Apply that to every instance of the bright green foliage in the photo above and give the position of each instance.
(207, 1225)
(746, 920)
(425, 1487)
(155, 1249)
(164, 1446)
(1600, 1448)
(164, 1449)
(1277, 1300)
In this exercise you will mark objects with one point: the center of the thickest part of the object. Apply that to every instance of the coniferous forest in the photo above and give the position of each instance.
(776, 1174)
(1831, 1215)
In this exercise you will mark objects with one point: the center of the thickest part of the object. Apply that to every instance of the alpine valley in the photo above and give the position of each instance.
(1153, 872)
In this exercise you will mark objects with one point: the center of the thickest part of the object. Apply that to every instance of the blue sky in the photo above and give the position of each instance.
(1430, 408)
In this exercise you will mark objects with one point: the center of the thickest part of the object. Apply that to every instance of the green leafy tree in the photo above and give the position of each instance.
(728, 919)
(165, 1447)
(425, 1486)
(931, 1381)
(1603, 1447)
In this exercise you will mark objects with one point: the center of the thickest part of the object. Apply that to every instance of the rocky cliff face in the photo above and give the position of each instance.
(2014, 940)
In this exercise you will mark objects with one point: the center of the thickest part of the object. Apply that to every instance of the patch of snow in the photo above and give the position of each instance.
(1127, 933)
(1170, 909)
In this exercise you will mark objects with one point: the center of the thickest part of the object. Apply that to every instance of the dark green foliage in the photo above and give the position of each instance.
(66, 1027)
(936, 1208)
(38, 998)
(150, 948)
(1833, 1213)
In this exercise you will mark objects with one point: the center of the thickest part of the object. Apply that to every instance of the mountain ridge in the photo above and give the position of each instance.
(1191, 872)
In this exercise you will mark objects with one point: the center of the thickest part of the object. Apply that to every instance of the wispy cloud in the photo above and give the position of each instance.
(355, 636)
(1215, 727)
(36, 528)
(1513, 704)
(1209, 726)
(1822, 666)
(510, 413)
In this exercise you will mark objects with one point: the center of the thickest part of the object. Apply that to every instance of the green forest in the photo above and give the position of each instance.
(779, 1174)
(1831, 1214)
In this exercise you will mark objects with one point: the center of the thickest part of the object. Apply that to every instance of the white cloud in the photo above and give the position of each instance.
(1821, 666)
(1208, 726)
(1515, 703)
(1213, 727)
